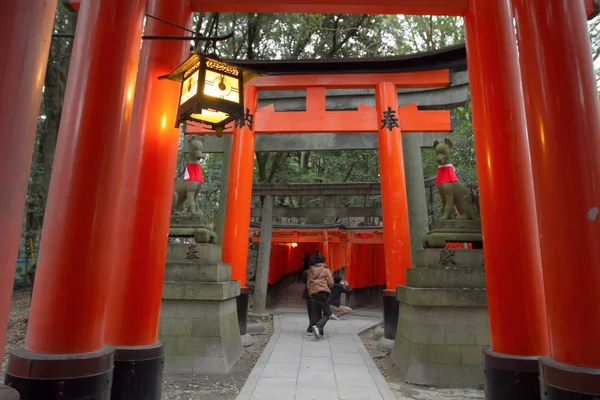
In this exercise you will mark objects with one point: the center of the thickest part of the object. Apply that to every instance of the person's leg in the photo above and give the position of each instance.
(309, 313)
(315, 312)
(342, 310)
(323, 302)
(334, 312)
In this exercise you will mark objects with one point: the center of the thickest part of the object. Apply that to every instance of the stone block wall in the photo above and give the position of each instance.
(443, 323)
(198, 321)
(200, 335)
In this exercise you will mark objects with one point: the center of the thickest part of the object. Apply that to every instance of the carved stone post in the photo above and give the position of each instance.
(223, 191)
(264, 256)
(415, 191)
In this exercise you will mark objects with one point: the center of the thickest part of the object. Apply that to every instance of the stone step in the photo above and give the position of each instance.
(452, 277)
(441, 297)
(186, 220)
(197, 272)
(457, 225)
(182, 252)
(217, 291)
(449, 258)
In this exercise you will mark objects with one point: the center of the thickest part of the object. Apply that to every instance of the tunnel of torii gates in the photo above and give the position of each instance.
(357, 253)
(536, 118)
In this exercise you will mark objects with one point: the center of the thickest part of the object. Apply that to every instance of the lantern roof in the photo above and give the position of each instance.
(179, 72)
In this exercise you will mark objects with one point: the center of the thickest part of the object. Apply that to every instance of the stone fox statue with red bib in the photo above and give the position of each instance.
(453, 192)
(188, 188)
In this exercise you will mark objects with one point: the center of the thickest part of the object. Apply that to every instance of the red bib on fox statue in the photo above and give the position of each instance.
(446, 174)
(193, 172)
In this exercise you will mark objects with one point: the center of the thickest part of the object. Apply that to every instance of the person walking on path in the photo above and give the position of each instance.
(306, 298)
(319, 281)
(305, 295)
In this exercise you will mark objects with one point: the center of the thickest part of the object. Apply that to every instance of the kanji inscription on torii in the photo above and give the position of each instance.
(390, 120)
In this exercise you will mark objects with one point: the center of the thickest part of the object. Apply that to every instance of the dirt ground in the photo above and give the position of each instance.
(17, 324)
(395, 378)
(176, 386)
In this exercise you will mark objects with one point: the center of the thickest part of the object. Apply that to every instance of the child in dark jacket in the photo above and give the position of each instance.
(339, 287)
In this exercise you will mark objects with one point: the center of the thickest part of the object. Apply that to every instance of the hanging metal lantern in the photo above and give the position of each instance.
(212, 91)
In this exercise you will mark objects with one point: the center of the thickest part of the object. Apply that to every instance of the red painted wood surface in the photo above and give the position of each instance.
(239, 197)
(72, 277)
(317, 120)
(365, 119)
(145, 207)
(286, 259)
(367, 267)
(22, 69)
(564, 136)
(515, 289)
(343, 247)
(394, 202)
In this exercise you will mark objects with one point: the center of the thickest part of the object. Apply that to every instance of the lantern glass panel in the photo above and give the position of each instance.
(190, 87)
(222, 86)
(210, 116)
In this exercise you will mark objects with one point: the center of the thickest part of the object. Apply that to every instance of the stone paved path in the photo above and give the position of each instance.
(295, 366)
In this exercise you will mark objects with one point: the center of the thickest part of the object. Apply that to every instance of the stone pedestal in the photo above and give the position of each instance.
(443, 324)
(190, 226)
(453, 231)
(199, 322)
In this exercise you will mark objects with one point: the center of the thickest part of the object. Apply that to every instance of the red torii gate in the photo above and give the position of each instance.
(317, 119)
(555, 231)
(407, 7)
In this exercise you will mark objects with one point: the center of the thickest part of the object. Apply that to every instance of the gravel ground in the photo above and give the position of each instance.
(176, 386)
(395, 378)
(17, 323)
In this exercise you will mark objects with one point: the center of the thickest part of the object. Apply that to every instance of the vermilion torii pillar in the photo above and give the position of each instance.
(64, 354)
(239, 200)
(564, 134)
(22, 70)
(396, 234)
(326, 249)
(138, 264)
(515, 292)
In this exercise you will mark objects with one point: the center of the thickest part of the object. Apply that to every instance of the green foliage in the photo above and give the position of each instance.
(426, 33)
(209, 194)
(594, 31)
(463, 151)
(55, 82)
(302, 36)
